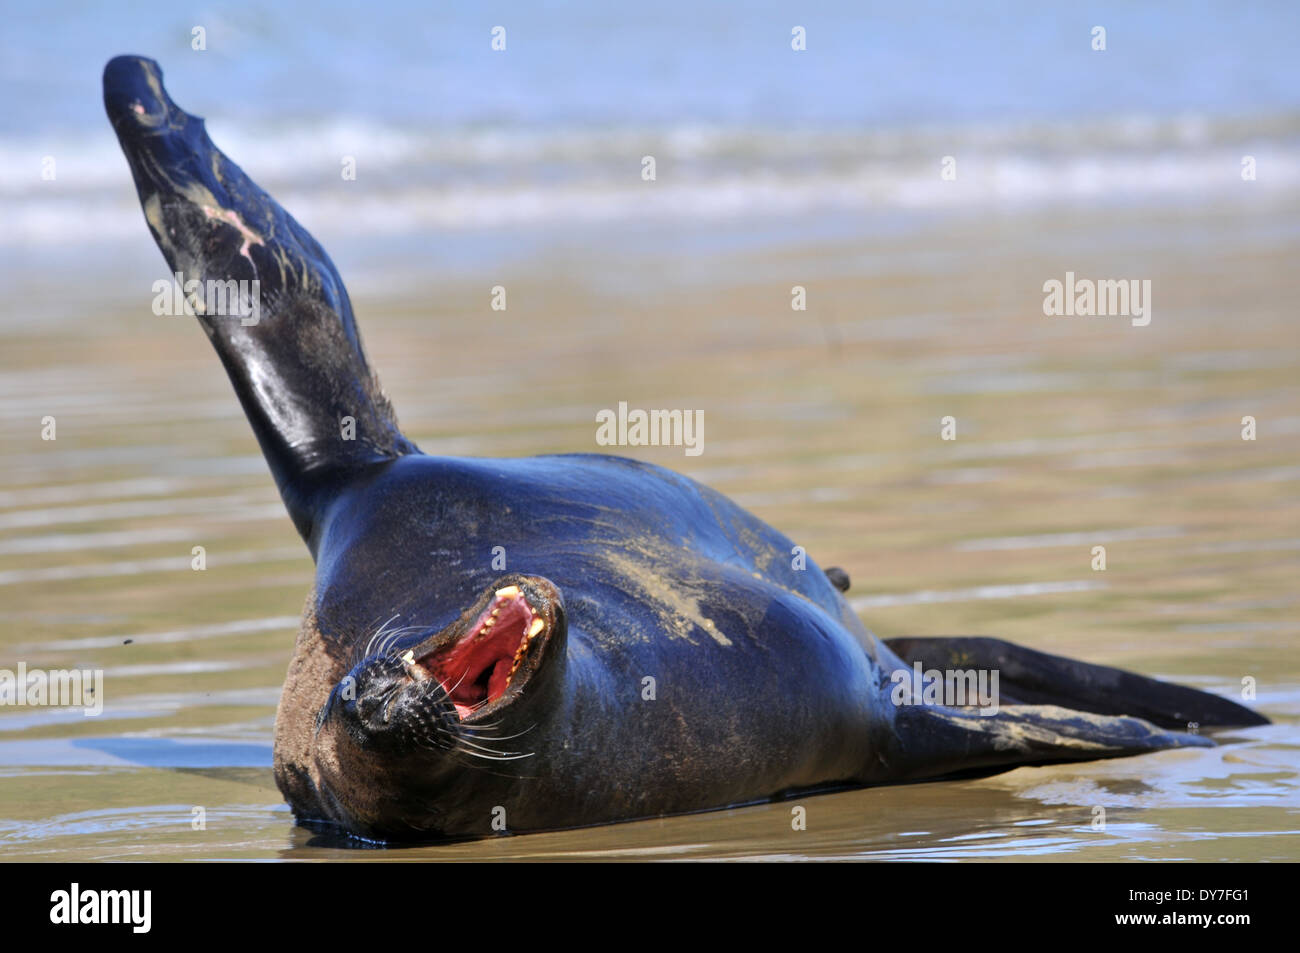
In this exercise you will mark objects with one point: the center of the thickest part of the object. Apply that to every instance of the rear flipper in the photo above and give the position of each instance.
(1027, 677)
(934, 742)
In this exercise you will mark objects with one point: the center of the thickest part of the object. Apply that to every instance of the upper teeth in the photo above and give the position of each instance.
(413, 670)
(537, 626)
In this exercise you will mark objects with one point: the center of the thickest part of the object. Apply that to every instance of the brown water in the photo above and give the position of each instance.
(1072, 432)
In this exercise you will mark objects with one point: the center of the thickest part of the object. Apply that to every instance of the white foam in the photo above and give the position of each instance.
(412, 179)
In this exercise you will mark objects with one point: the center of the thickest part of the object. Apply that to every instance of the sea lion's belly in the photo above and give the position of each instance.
(693, 678)
(754, 692)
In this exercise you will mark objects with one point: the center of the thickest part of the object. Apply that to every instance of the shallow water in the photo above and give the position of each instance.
(1071, 433)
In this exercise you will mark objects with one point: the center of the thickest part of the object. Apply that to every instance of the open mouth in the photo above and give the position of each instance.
(479, 666)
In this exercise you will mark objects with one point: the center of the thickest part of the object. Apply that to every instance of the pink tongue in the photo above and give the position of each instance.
(496, 685)
(500, 675)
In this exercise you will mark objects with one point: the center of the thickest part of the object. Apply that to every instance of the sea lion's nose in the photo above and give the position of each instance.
(134, 94)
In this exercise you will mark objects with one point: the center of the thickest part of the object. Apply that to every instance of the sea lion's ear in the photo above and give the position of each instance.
(268, 297)
(838, 577)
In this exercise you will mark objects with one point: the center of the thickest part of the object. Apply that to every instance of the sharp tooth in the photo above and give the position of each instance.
(489, 623)
(413, 670)
(536, 627)
(507, 592)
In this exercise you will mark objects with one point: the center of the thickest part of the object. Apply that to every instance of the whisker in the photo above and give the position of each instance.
(518, 734)
(386, 644)
(377, 634)
(492, 751)
(486, 770)
(488, 757)
(487, 724)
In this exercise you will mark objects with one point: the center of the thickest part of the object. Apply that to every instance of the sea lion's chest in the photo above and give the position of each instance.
(645, 557)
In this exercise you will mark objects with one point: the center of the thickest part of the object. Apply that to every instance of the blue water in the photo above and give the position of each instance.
(662, 63)
(449, 135)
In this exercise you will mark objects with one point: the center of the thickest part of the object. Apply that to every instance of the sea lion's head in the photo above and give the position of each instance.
(432, 716)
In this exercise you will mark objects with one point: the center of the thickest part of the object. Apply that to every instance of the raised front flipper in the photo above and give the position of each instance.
(1037, 678)
(271, 302)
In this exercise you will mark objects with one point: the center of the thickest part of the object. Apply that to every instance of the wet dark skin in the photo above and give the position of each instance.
(556, 641)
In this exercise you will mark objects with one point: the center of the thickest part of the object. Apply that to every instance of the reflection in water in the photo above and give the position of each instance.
(1214, 804)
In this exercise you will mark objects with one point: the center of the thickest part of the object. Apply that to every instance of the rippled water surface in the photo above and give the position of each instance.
(1071, 433)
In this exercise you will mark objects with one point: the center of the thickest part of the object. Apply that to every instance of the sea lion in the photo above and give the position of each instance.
(653, 648)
